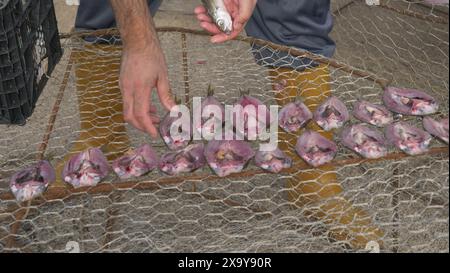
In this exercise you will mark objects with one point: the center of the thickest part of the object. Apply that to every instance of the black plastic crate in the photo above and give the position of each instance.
(29, 51)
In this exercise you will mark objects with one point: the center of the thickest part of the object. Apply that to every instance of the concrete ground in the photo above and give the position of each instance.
(409, 51)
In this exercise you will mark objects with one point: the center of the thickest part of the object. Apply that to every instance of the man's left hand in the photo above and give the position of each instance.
(240, 11)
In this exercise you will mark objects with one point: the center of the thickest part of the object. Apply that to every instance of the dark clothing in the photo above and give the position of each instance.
(98, 14)
(303, 24)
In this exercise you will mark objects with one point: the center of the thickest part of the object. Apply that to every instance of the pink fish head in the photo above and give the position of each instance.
(174, 142)
(137, 163)
(407, 138)
(273, 161)
(332, 114)
(228, 156)
(409, 102)
(187, 160)
(32, 181)
(438, 129)
(373, 114)
(86, 169)
(214, 111)
(294, 116)
(250, 116)
(315, 149)
(365, 141)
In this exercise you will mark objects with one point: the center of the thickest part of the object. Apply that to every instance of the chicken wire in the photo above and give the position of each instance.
(404, 199)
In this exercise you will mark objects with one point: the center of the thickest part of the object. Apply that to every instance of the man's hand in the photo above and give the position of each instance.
(141, 71)
(143, 65)
(240, 10)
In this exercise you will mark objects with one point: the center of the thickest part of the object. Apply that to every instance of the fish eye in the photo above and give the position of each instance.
(221, 23)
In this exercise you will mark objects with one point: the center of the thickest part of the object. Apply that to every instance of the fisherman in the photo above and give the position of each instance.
(303, 24)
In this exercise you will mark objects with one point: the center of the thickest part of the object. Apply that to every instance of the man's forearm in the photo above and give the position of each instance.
(135, 23)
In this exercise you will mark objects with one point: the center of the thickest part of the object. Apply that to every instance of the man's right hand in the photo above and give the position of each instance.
(143, 65)
(142, 70)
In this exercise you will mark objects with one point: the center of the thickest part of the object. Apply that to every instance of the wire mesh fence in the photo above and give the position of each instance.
(398, 203)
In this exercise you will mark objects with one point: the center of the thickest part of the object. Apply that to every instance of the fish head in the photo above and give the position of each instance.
(409, 101)
(366, 141)
(252, 109)
(409, 139)
(87, 175)
(224, 21)
(294, 116)
(33, 181)
(373, 114)
(228, 156)
(438, 129)
(86, 169)
(185, 161)
(315, 149)
(219, 14)
(174, 142)
(136, 163)
(332, 114)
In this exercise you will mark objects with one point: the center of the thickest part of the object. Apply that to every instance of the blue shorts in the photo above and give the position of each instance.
(303, 24)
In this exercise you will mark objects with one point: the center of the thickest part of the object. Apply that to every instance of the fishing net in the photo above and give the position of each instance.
(398, 203)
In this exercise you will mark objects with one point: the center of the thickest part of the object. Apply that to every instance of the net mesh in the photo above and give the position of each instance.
(399, 202)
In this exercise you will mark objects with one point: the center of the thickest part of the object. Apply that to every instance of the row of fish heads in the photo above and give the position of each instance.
(226, 157)
(90, 167)
(362, 138)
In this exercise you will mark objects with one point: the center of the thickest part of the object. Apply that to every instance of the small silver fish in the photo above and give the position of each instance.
(218, 12)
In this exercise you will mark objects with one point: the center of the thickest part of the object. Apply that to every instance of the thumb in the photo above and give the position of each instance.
(164, 93)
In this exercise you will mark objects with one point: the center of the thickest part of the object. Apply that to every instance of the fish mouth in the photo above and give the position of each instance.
(227, 169)
(414, 147)
(317, 161)
(372, 151)
(221, 24)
